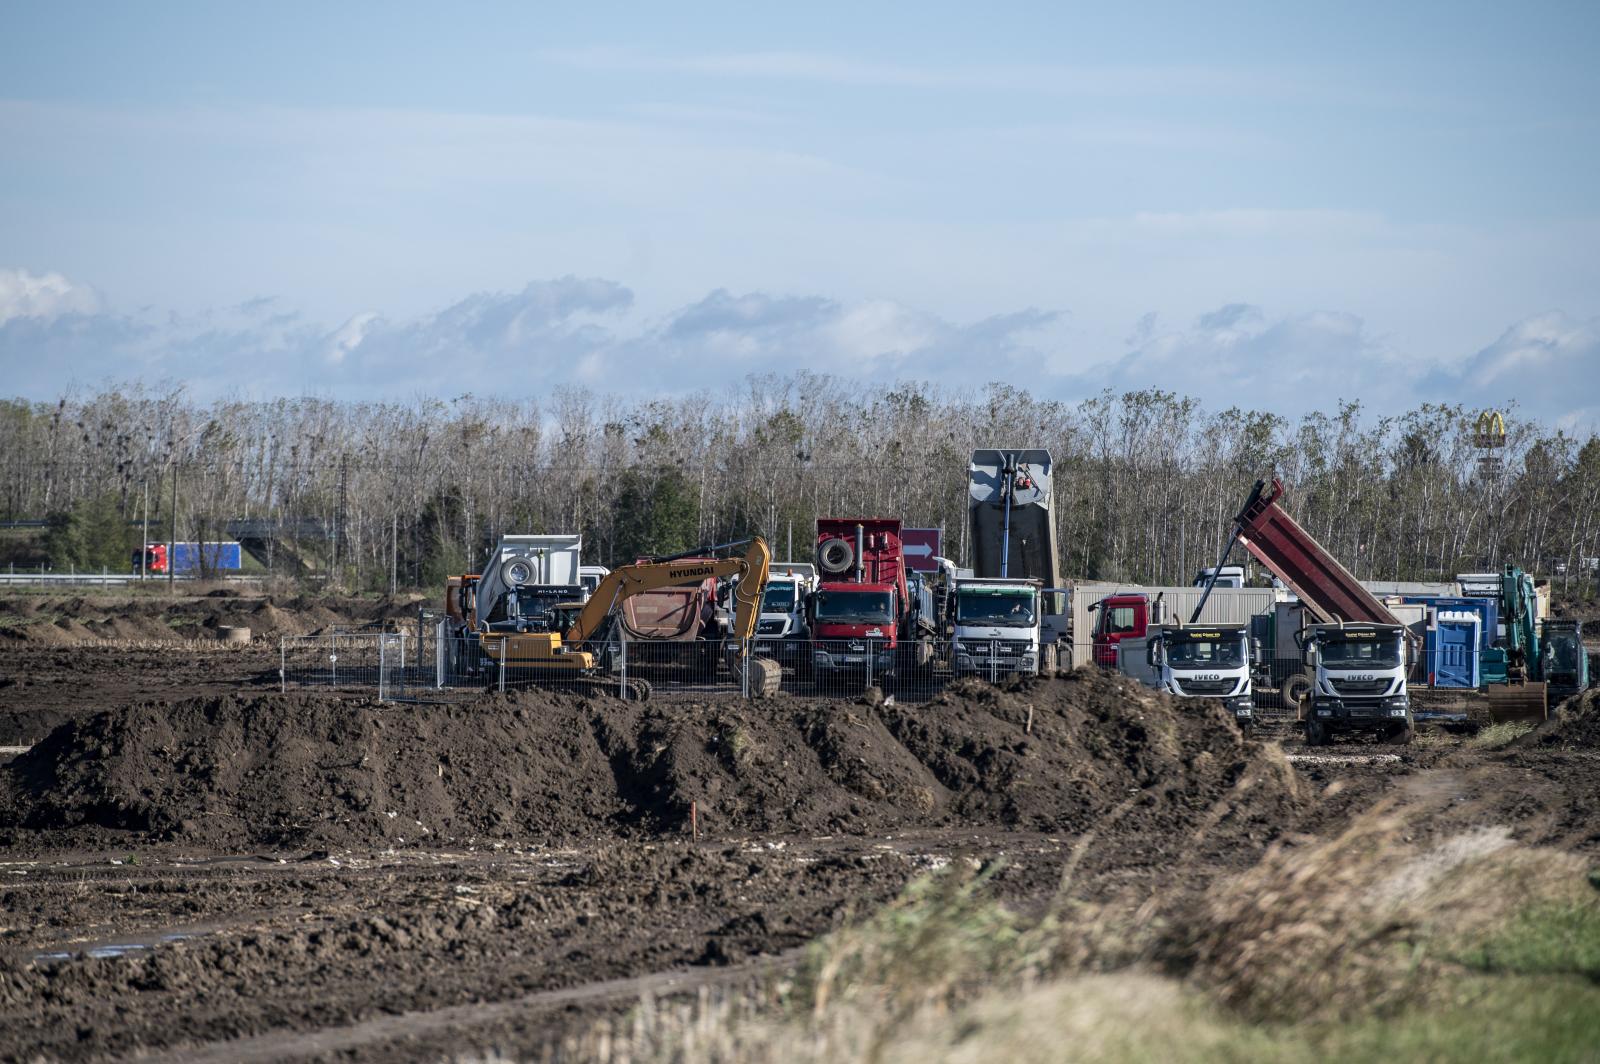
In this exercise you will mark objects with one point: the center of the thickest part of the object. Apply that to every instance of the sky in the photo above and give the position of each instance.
(1271, 205)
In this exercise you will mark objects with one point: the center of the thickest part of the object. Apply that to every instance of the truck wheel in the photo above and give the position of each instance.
(1402, 735)
(1294, 690)
(1316, 733)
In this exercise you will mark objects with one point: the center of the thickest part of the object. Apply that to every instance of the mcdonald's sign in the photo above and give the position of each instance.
(1491, 430)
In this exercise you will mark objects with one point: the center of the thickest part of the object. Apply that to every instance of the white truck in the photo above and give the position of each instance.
(1194, 661)
(781, 627)
(999, 629)
(1358, 672)
(525, 577)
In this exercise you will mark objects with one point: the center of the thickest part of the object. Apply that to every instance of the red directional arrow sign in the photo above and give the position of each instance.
(921, 546)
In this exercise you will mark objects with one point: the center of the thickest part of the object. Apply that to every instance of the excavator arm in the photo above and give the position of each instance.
(760, 674)
(626, 581)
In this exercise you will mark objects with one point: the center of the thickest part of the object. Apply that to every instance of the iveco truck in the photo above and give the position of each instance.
(1194, 661)
(1358, 681)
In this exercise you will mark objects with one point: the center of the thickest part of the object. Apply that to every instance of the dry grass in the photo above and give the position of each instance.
(1494, 736)
(1348, 948)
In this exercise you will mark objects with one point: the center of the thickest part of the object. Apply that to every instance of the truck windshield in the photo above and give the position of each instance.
(1360, 653)
(1002, 609)
(854, 607)
(778, 598)
(1205, 653)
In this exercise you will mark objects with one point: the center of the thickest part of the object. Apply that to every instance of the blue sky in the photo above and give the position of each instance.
(1271, 204)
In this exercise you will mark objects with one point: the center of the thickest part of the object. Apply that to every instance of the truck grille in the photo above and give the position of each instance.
(1208, 687)
(769, 627)
(1000, 647)
(1360, 687)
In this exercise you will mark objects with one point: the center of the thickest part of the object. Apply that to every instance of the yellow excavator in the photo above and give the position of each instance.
(576, 656)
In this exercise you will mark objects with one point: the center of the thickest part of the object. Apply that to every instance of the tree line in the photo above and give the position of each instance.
(1146, 482)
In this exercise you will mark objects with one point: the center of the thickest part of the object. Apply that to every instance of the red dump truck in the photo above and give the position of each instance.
(863, 616)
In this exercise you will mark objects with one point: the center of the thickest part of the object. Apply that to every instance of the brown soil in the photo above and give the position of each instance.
(309, 770)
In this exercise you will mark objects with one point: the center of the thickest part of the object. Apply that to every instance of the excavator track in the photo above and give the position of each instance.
(631, 690)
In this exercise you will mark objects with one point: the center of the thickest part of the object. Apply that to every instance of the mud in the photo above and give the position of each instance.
(309, 770)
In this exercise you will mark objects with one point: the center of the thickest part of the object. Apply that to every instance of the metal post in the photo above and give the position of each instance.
(144, 537)
(502, 669)
(622, 659)
(994, 662)
(283, 666)
(383, 649)
(868, 644)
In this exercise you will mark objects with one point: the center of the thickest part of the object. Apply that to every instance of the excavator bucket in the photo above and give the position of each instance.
(1518, 702)
(765, 675)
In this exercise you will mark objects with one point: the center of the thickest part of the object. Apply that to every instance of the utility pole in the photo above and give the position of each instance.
(394, 551)
(339, 516)
(172, 538)
(144, 537)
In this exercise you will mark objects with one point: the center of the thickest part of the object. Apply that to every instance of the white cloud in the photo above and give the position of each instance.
(1237, 355)
(45, 296)
(575, 330)
(1547, 364)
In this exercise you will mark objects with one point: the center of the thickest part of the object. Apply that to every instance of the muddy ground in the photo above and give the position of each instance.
(195, 867)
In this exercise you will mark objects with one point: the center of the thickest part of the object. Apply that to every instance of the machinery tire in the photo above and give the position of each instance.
(1294, 690)
(1401, 736)
(836, 556)
(1316, 733)
(637, 691)
(515, 572)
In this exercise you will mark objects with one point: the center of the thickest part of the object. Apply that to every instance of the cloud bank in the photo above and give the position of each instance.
(56, 335)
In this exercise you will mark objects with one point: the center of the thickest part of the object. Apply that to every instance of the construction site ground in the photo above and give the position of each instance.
(196, 867)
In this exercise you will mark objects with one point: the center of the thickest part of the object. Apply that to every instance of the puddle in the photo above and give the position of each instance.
(102, 951)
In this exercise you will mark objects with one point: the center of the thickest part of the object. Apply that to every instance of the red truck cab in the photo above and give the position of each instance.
(862, 604)
(1118, 617)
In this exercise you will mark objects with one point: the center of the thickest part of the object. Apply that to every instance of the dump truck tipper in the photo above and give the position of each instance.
(1011, 521)
(1354, 648)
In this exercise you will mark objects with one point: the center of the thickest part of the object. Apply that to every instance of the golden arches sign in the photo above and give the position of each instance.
(1491, 430)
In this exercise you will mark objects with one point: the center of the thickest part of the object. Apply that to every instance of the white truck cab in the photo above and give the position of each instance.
(1358, 681)
(998, 627)
(1194, 661)
(781, 626)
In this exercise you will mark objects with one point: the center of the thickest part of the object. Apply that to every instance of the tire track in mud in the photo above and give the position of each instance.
(415, 1026)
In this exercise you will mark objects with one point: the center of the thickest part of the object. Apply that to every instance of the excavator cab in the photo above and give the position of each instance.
(1563, 660)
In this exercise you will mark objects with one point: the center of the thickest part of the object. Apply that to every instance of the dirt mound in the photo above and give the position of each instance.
(310, 770)
(71, 620)
(1576, 723)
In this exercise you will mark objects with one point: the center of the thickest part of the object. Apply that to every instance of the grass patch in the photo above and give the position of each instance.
(1549, 939)
(1494, 736)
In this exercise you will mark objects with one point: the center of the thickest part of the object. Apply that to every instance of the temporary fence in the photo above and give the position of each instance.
(400, 665)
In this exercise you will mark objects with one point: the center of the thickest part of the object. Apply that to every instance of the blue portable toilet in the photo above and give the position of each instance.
(1457, 640)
